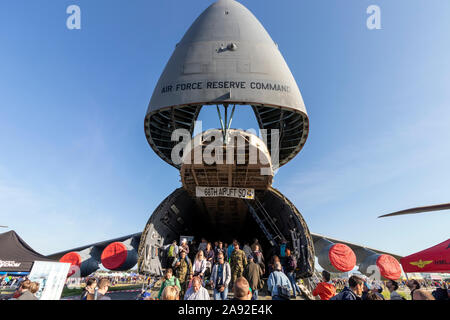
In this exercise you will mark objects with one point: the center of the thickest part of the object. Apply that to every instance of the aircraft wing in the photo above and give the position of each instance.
(316, 237)
(101, 245)
(365, 256)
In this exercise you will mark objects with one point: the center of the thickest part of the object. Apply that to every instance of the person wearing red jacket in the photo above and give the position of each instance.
(325, 290)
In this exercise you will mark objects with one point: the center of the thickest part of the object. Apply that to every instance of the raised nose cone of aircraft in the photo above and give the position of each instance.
(227, 57)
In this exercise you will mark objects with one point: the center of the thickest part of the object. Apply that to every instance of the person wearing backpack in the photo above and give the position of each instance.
(279, 284)
(183, 270)
(169, 280)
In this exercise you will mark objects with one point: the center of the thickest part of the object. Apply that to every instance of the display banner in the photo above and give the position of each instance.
(51, 277)
(213, 192)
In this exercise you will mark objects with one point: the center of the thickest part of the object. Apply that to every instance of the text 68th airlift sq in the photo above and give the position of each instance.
(225, 310)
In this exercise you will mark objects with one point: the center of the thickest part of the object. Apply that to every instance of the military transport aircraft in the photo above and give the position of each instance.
(227, 60)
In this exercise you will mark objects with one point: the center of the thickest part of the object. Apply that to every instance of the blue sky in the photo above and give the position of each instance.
(75, 166)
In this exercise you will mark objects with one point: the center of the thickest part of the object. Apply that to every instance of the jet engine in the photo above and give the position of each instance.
(120, 256)
(334, 257)
(379, 266)
(85, 262)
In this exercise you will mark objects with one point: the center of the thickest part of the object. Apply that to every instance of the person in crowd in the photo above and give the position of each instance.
(378, 290)
(256, 243)
(19, 282)
(24, 286)
(169, 281)
(102, 289)
(219, 249)
(417, 293)
(353, 291)
(209, 256)
(183, 271)
(253, 274)
(192, 250)
(196, 291)
(225, 253)
(373, 296)
(441, 293)
(279, 284)
(172, 253)
(290, 266)
(325, 289)
(28, 291)
(183, 247)
(282, 252)
(393, 287)
(145, 295)
(13, 282)
(273, 261)
(230, 249)
(5, 281)
(366, 289)
(247, 249)
(241, 289)
(202, 245)
(238, 262)
(91, 285)
(258, 256)
(220, 278)
(413, 285)
(199, 266)
(103, 286)
(423, 295)
(216, 244)
(34, 287)
(170, 293)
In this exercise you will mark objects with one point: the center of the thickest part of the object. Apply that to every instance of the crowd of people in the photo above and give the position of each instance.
(125, 279)
(357, 287)
(340, 283)
(11, 281)
(191, 269)
(96, 290)
(26, 289)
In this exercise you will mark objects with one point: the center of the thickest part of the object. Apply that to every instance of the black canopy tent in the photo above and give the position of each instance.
(16, 255)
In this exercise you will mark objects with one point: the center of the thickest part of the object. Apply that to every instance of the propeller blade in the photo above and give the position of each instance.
(437, 207)
(3, 227)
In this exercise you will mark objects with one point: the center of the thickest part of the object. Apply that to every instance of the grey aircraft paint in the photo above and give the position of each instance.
(227, 58)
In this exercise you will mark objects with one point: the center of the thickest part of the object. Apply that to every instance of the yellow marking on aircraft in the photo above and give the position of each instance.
(421, 264)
